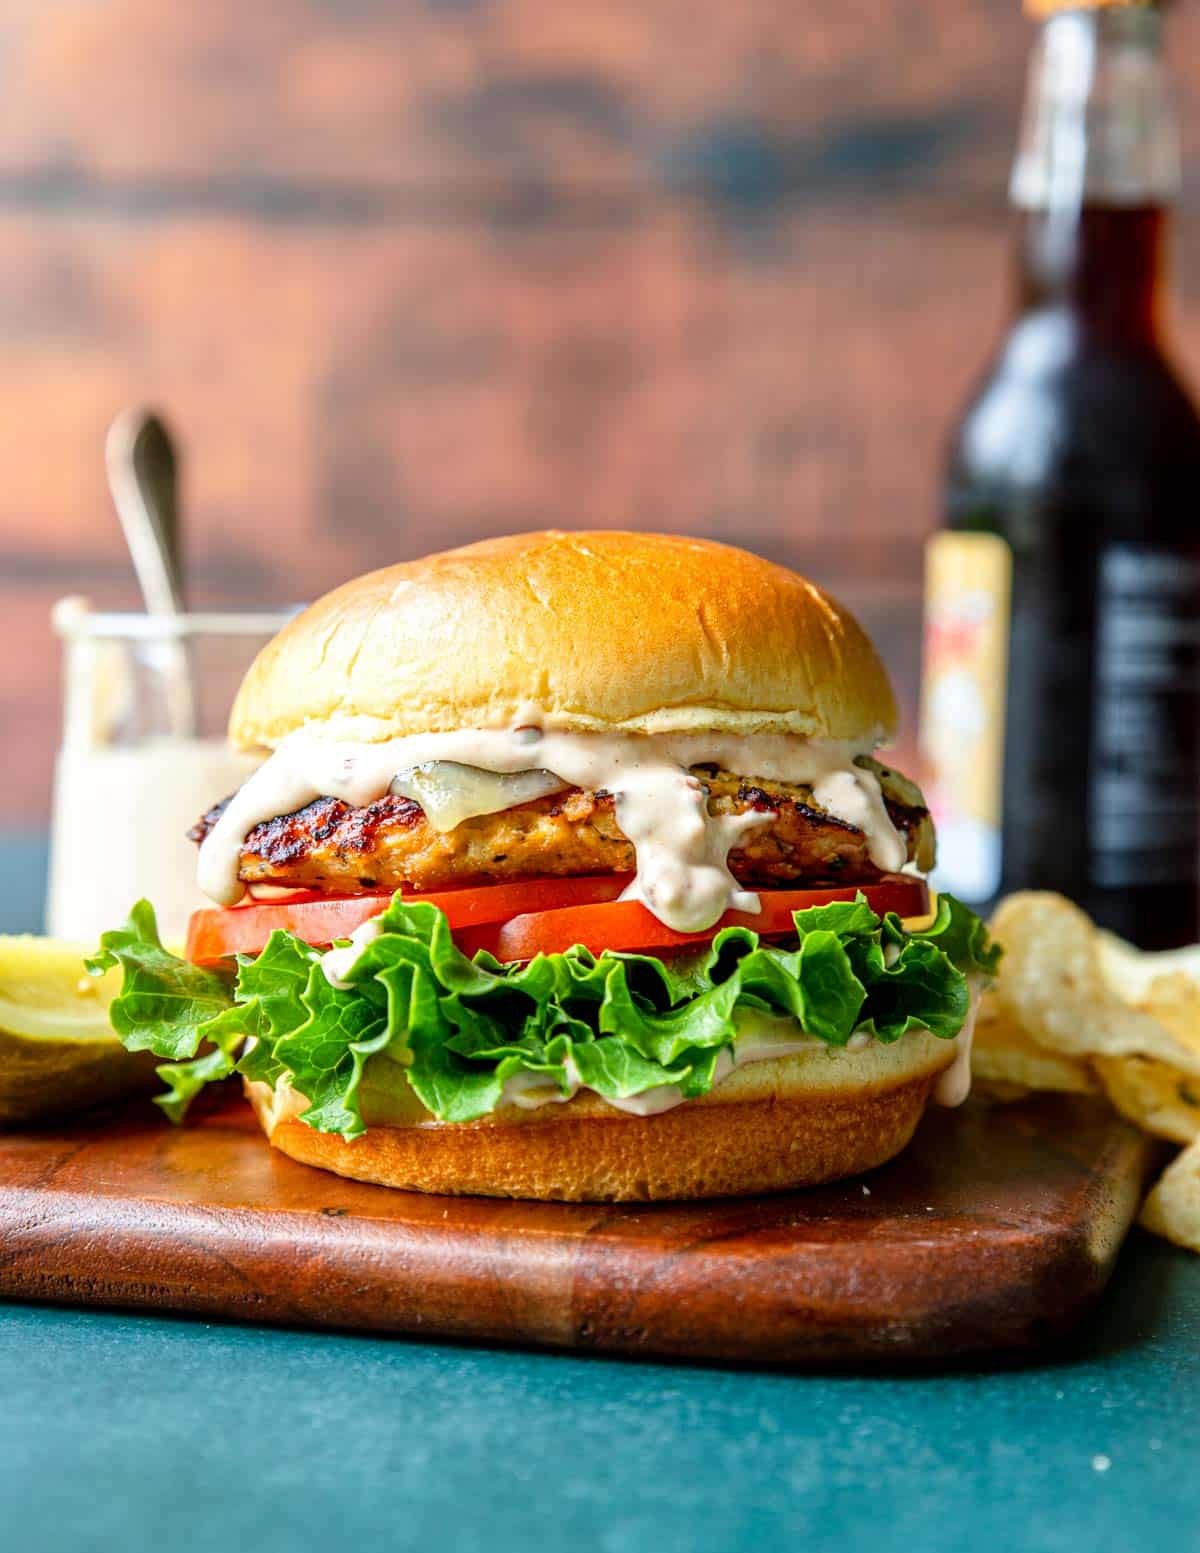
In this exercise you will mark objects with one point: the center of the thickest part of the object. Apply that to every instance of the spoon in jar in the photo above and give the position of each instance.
(143, 479)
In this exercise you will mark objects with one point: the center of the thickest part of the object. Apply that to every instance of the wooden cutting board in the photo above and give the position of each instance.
(991, 1233)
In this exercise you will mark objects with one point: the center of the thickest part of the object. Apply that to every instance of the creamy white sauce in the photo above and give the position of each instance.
(653, 1102)
(338, 963)
(954, 1083)
(531, 1091)
(682, 875)
(855, 796)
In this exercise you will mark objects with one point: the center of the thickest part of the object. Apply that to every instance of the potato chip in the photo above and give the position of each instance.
(1075, 1006)
(1174, 1000)
(1129, 971)
(1173, 1207)
(1052, 987)
(1155, 1096)
(1003, 1055)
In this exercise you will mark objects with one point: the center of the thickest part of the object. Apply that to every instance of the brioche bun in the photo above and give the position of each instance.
(769, 1127)
(607, 631)
(602, 632)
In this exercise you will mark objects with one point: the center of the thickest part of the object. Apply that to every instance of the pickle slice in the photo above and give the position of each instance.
(58, 1052)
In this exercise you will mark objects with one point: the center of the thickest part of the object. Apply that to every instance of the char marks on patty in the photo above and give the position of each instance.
(330, 845)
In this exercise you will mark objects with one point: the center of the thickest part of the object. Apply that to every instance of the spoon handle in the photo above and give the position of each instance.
(143, 476)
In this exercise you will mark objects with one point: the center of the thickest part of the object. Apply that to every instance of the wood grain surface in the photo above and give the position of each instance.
(991, 1234)
(404, 274)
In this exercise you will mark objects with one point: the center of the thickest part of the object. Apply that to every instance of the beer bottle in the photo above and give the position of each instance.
(1061, 693)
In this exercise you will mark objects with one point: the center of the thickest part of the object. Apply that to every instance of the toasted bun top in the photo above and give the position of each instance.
(639, 633)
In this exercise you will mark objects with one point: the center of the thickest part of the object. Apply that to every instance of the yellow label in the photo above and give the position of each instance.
(968, 584)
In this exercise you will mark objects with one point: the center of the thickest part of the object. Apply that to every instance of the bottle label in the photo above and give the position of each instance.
(968, 588)
(1145, 752)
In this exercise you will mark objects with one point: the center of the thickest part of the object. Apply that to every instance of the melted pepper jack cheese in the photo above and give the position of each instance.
(682, 875)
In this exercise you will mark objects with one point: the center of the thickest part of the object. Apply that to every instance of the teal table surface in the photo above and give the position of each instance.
(120, 1433)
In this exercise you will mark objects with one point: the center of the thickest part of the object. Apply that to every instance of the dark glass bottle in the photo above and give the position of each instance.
(1061, 717)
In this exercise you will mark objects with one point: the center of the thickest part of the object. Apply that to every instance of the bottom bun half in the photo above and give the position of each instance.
(771, 1126)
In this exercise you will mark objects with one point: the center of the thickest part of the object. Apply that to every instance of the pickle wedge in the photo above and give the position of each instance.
(58, 1052)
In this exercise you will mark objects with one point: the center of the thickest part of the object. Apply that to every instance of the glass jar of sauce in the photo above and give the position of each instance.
(143, 755)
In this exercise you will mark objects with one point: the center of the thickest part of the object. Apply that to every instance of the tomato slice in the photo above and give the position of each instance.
(214, 934)
(628, 926)
(531, 916)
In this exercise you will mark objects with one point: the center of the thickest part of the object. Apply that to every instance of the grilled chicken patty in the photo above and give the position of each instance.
(331, 846)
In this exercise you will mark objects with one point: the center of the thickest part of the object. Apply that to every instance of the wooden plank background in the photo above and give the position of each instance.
(407, 272)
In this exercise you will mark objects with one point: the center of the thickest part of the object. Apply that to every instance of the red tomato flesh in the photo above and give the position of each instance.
(628, 926)
(320, 919)
(529, 917)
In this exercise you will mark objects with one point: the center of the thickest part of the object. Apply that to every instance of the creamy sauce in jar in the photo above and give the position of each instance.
(682, 873)
(121, 815)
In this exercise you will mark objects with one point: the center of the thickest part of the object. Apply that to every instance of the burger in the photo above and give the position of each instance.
(570, 871)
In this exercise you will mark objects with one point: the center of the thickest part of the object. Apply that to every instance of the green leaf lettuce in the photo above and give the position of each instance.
(457, 1030)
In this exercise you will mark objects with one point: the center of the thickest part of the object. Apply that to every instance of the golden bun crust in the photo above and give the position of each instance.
(640, 633)
(770, 1127)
